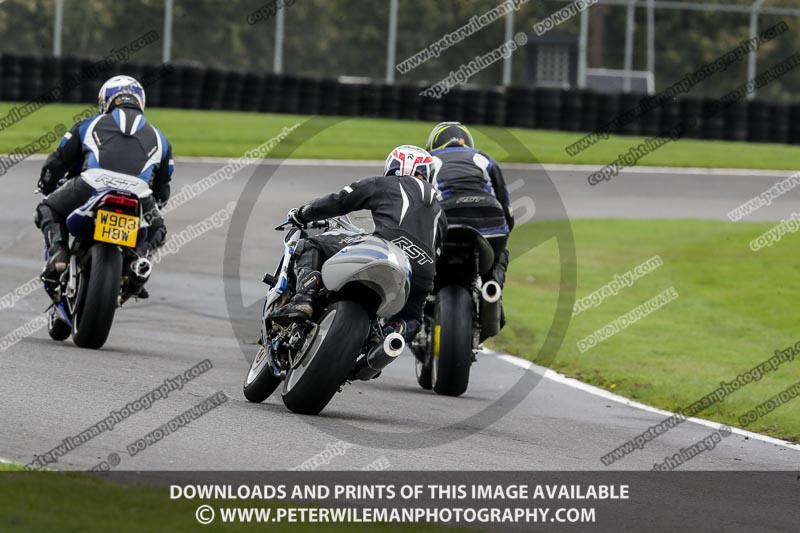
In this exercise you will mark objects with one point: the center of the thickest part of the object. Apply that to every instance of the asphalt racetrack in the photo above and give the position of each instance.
(51, 390)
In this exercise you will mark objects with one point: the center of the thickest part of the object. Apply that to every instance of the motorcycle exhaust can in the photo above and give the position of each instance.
(141, 269)
(379, 357)
(490, 309)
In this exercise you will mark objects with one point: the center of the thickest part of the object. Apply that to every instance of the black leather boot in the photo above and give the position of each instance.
(57, 253)
(301, 306)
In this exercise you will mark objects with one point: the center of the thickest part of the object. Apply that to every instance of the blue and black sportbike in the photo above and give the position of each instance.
(104, 269)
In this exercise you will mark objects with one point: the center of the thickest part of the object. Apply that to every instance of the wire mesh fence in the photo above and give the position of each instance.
(333, 38)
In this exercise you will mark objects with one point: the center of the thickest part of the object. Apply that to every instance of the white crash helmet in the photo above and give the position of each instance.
(120, 86)
(408, 160)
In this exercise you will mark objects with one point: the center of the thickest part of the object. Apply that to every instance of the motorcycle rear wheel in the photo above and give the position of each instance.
(311, 383)
(91, 322)
(452, 341)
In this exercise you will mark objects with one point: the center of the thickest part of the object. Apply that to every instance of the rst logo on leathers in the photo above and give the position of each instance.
(469, 199)
(116, 182)
(413, 251)
(353, 239)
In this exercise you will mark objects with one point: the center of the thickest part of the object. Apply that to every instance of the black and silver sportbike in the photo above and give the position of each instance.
(460, 314)
(345, 340)
(104, 270)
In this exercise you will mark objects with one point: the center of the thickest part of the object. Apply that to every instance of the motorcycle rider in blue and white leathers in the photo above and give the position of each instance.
(118, 139)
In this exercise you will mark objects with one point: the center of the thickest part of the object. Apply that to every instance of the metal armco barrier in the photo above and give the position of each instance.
(190, 86)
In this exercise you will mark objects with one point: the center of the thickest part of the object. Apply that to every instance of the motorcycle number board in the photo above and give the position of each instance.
(116, 228)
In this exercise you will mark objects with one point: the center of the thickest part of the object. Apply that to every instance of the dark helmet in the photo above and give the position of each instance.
(447, 134)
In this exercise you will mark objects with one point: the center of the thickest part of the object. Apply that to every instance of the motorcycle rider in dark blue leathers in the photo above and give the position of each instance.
(472, 192)
(118, 139)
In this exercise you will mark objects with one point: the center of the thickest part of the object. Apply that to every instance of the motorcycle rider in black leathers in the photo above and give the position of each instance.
(404, 210)
(118, 139)
(472, 190)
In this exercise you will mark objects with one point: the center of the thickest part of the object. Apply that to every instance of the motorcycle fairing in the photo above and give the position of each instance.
(105, 181)
(378, 264)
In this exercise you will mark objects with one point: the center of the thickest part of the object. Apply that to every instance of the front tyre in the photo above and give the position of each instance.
(92, 321)
(260, 381)
(452, 341)
(317, 375)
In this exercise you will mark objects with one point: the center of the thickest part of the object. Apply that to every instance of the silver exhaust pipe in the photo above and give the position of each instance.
(490, 309)
(379, 357)
(141, 268)
(491, 291)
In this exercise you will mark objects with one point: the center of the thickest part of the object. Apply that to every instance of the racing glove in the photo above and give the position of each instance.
(295, 216)
(47, 182)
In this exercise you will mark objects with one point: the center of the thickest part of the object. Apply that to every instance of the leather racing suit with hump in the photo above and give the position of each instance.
(405, 211)
(472, 192)
(119, 141)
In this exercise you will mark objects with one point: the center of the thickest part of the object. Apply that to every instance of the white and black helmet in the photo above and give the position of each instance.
(125, 88)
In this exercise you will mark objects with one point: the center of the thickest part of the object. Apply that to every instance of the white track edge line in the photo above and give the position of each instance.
(596, 391)
(520, 166)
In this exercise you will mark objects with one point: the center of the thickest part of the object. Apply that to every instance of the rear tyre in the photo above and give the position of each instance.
(452, 341)
(260, 382)
(92, 321)
(329, 359)
(56, 327)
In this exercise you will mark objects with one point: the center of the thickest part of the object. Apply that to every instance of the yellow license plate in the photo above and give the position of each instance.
(116, 228)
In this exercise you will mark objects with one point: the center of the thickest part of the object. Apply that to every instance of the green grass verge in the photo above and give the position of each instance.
(735, 307)
(230, 134)
(76, 502)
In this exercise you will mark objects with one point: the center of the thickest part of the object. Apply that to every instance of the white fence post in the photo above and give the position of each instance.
(391, 42)
(57, 28)
(166, 51)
